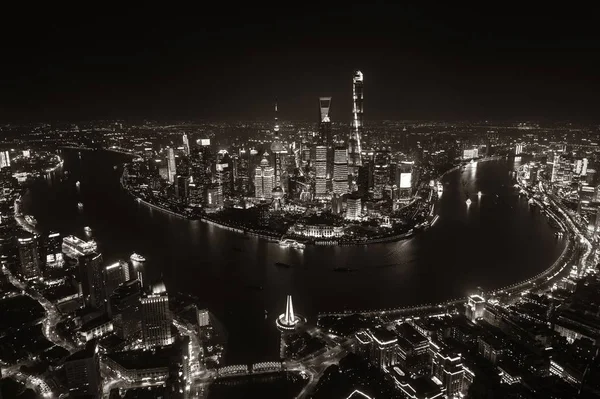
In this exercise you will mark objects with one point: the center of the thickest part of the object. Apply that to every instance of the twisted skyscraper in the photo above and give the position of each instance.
(354, 144)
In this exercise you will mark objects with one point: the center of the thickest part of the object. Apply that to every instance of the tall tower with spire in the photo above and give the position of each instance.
(278, 151)
(354, 144)
(288, 320)
(287, 323)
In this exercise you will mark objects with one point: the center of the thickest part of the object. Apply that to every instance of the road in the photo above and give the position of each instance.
(39, 385)
(185, 328)
(580, 232)
(52, 318)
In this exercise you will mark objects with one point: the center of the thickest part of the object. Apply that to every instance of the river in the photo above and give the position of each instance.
(496, 241)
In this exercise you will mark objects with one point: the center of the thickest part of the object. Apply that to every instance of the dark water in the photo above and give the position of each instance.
(497, 241)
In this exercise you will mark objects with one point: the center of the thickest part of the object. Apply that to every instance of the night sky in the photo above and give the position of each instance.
(230, 63)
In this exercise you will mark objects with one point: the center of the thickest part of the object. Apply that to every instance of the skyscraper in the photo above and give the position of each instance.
(186, 144)
(325, 134)
(321, 171)
(340, 170)
(53, 251)
(381, 173)
(92, 281)
(475, 308)
(447, 367)
(203, 317)
(156, 317)
(354, 144)
(4, 159)
(242, 183)
(278, 151)
(224, 175)
(264, 179)
(83, 372)
(138, 266)
(29, 256)
(325, 137)
(518, 148)
(125, 309)
(114, 275)
(171, 167)
(182, 186)
(353, 208)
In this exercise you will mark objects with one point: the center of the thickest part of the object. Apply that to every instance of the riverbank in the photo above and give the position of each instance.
(465, 163)
(269, 236)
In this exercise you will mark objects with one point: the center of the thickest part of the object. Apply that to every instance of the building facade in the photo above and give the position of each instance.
(156, 317)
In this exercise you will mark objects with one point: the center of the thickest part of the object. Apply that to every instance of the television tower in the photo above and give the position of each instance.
(287, 323)
(354, 144)
(277, 149)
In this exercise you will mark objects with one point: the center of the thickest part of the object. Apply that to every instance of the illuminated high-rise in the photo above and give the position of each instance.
(223, 177)
(82, 370)
(125, 309)
(264, 179)
(325, 138)
(447, 368)
(340, 170)
(321, 171)
(354, 143)
(92, 281)
(279, 152)
(114, 275)
(138, 266)
(53, 250)
(353, 208)
(518, 148)
(475, 307)
(325, 135)
(171, 167)
(186, 144)
(29, 256)
(4, 159)
(156, 317)
(182, 188)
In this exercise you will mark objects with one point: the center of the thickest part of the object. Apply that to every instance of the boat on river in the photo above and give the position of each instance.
(31, 220)
(289, 243)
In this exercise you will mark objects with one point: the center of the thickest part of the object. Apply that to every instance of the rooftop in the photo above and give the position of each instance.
(97, 322)
(356, 394)
(409, 333)
(383, 336)
(88, 352)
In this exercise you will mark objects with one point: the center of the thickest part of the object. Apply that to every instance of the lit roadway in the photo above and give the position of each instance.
(52, 315)
(313, 366)
(37, 384)
(574, 227)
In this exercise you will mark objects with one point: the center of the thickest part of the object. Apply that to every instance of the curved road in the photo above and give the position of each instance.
(52, 315)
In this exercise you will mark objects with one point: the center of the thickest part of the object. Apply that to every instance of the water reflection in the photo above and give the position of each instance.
(489, 245)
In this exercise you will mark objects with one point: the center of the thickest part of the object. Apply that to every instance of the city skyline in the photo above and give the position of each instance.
(169, 181)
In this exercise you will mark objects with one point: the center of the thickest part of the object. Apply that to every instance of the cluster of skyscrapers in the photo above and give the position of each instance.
(328, 164)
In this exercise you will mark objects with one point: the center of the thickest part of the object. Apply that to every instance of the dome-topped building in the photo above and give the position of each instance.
(278, 193)
(277, 146)
(265, 161)
(264, 178)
